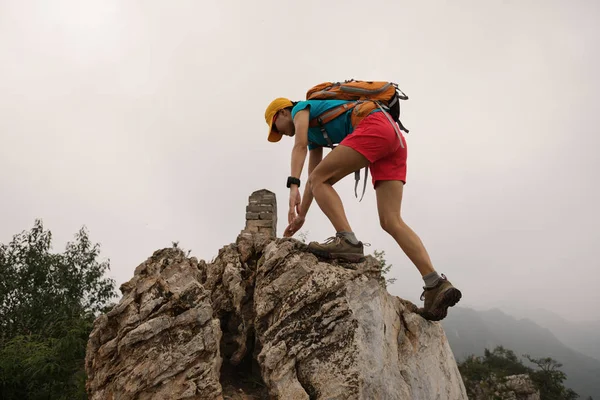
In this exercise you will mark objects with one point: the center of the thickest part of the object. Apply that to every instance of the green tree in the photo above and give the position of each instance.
(549, 379)
(486, 374)
(385, 267)
(504, 362)
(482, 374)
(48, 302)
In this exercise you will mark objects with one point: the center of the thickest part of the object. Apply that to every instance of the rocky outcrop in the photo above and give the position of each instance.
(330, 332)
(519, 387)
(162, 340)
(265, 319)
(513, 387)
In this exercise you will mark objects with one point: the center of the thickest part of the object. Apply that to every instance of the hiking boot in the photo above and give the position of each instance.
(339, 248)
(438, 299)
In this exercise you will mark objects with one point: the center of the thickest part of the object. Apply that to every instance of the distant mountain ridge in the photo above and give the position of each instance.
(470, 332)
(581, 336)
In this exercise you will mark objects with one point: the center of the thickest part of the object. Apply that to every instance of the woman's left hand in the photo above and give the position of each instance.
(294, 226)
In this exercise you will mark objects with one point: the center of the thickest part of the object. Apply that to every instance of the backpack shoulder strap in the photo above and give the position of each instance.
(328, 116)
(331, 114)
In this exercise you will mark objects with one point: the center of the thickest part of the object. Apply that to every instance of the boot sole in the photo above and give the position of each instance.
(350, 257)
(449, 299)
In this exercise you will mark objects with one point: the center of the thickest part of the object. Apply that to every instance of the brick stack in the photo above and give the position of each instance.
(261, 213)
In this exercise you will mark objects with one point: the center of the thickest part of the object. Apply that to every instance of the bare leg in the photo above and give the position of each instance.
(389, 200)
(336, 165)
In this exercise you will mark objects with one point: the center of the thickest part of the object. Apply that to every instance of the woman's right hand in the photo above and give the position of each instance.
(295, 202)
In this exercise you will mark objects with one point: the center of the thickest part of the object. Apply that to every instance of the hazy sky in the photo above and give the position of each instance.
(144, 121)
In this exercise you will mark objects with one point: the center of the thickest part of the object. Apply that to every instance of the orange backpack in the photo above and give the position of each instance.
(365, 96)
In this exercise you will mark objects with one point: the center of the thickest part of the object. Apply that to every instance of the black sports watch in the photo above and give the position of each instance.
(292, 181)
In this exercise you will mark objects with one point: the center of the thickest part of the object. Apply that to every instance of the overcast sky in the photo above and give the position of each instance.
(144, 121)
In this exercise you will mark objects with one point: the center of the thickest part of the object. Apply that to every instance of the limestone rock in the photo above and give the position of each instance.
(161, 341)
(329, 332)
(513, 387)
(518, 387)
(265, 320)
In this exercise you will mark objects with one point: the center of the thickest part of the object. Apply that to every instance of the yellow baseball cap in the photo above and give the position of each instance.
(276, 105)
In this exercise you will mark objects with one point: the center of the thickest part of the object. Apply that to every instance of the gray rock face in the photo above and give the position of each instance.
(518, 387)
(161, 341)
(265, 320)
(329, 332)
(513, 387)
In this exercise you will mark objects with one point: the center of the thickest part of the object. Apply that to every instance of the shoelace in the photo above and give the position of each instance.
(332, 239)
(337, 239)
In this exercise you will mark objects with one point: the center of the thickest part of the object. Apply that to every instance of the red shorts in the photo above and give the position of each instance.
(377, 140)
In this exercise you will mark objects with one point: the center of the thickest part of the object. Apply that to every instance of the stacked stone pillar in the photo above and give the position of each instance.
(261, 213)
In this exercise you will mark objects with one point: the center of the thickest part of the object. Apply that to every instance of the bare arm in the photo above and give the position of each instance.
(298, 158)
(301, 144)
(314, 158)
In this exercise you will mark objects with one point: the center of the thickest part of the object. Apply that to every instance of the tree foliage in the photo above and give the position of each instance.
(549, 379)
(385, 267)
(486, 374)
(47, 305)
